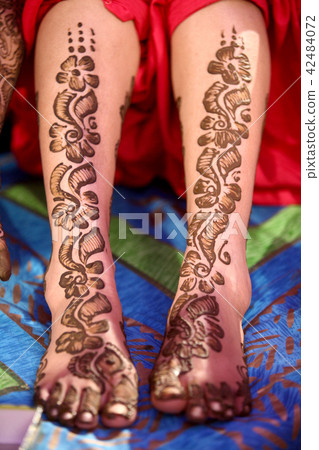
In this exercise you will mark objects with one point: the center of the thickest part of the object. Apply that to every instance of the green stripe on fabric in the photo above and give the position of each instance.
(162, 263)
(157, 260)
(281, 229)
(31, 195)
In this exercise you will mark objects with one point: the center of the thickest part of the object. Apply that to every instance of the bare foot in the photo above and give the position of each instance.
(201, 368)
(86, 369)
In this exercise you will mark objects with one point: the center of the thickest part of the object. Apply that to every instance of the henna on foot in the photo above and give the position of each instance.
(86, 369)
(201, 367)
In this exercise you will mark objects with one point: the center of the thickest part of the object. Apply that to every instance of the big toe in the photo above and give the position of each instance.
(167, 392)
(120, 409)
(116, 414)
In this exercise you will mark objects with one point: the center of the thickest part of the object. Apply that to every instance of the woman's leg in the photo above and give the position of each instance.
(11, 56)
(85, 63)
(220, 72)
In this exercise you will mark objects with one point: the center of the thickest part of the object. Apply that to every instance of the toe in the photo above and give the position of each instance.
(196, 407)
(69, 406)
(215, 409)
(121, 407)
(220, 401)
(228, 400)
(243, 399)
(54, 401)
(243, 406)
(87, 417)
(169, 404)
(41, 395)
(167, 392)
(243, 403)
(118, 415)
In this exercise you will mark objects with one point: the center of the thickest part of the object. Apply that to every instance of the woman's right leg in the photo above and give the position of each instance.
(85, 61)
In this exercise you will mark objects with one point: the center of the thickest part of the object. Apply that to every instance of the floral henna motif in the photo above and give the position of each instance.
(11, 51)
(76, 135)
(11, 56)
(76, 208)
(193, 328)
(75, 73)
(113, 367)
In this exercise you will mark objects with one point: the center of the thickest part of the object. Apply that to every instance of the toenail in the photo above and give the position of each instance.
(54, 412)
(197, 412)
(117, 409)
(68, 415)
(170, 392)
(86, 417)
(229, 412)
(216, 406)
(40, 399)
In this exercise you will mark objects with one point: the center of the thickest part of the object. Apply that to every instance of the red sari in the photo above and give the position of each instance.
(151, 140)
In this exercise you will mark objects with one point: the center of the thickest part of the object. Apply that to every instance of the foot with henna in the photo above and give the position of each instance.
(84, 72)
(220, 74)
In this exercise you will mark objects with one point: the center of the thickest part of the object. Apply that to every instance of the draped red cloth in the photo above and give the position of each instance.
(151, 140)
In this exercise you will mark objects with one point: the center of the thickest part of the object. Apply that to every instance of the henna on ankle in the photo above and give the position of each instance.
(193, 327)
(73, 187)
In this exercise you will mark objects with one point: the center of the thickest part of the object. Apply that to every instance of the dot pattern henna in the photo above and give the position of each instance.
(72, 184)
(193, 326)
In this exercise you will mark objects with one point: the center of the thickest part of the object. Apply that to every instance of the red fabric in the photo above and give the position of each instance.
(151, 140)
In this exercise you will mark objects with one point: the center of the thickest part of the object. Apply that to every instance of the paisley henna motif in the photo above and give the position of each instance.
(81, 254)
(76, 135)
(193, 327)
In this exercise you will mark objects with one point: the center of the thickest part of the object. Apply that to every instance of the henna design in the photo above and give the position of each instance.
(11, 56)
(193, 326)
(55, 397)
(108, 366)
(124, 393)
(11, 51)
(77, 136)
(193, 329)
(75, 133)
(41, 369)
(90, 401)
(196, 399)
(68, 405)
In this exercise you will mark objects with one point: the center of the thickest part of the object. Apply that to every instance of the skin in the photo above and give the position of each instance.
(11, 56)
(222, 52)
(83, 78)
(84, 90)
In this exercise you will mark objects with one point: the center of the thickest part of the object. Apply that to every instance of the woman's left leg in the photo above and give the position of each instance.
(220, 72)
